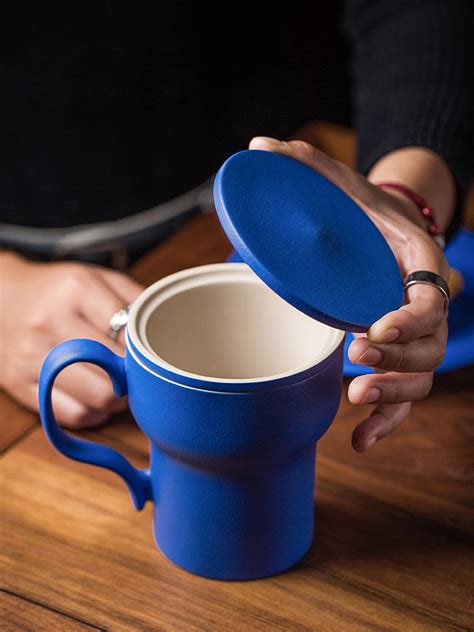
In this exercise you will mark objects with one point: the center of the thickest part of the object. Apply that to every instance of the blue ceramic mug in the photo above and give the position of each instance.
(233, 386)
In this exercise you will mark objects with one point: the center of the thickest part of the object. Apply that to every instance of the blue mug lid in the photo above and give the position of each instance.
(307, 240)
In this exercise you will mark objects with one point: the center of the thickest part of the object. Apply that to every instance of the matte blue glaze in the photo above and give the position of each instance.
(223, 425)
(232, 471)
(82, 350)
(258, 517)
(460, 345)
(307, 240)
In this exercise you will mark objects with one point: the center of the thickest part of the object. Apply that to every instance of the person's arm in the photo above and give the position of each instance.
(423, 171)
(413, 88)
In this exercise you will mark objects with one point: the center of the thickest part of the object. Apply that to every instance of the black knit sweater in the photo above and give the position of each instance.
(106, 110)
(413, 64)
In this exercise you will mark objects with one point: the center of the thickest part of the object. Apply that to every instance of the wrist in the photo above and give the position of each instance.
(424, 172)
(425, 211)
(407, 207)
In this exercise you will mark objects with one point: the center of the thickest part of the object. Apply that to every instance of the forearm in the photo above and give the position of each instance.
(426, 173)
(412, 89)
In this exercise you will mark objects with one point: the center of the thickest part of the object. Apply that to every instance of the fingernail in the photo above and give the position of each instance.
(381, 333)
(371, 442)
(370, 357)
(279, 143)
(372, 395)
(389, 335)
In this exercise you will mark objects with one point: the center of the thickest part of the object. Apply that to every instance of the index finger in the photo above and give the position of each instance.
(421, 316)
(124, 286)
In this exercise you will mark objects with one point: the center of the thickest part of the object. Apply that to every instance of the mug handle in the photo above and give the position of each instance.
(83, 350)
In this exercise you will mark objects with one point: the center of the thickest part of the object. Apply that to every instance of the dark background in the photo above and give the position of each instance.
(110, 108)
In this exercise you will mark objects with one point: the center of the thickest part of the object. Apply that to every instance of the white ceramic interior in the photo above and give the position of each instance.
(221, 322)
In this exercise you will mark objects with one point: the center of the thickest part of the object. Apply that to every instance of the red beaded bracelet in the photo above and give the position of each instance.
(427, 212)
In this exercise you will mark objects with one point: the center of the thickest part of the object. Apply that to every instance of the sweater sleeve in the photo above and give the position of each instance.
(412, 70)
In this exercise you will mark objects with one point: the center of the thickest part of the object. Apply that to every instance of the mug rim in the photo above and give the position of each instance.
(204, 275)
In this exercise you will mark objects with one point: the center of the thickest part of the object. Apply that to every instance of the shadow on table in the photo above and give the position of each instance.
(364, 530)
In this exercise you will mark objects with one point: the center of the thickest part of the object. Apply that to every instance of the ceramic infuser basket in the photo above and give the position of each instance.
(234, 371)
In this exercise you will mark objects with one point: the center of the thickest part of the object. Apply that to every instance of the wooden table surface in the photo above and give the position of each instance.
(393, 539)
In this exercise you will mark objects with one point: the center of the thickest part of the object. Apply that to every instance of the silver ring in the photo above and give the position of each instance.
(118, 322)
(429, 278)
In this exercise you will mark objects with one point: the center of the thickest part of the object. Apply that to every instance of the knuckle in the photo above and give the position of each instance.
(26, 349)
(408, 327)
(38, 320)
(396, 394)
(301, 144)
(399, 362)
(304, 147)
(425, 317)
(75, 279)
(408, 322)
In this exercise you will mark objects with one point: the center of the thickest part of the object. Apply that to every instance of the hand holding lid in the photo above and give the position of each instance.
(307, 240)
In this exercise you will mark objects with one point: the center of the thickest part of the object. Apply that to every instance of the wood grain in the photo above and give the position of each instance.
(393, 546)
(386, 550)
(19, 614)
(15, 422)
